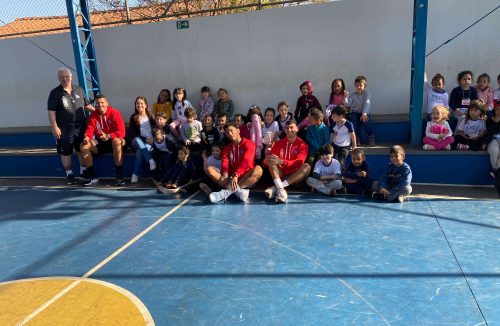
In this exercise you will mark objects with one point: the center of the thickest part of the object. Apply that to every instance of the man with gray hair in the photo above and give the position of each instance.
(66, 105)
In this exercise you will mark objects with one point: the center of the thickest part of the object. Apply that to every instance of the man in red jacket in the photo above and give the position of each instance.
(105, 133)
(238, 169)
(286, 161)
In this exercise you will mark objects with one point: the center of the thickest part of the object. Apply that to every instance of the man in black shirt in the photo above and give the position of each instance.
(66, 105)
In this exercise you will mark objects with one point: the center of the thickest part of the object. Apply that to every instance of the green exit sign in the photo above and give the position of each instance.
(182, 24)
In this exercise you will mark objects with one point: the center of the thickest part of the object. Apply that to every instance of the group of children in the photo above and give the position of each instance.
(180, 142)
(460, 120)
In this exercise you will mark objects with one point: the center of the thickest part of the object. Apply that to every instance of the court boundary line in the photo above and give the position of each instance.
(458, 263)
(104, 262)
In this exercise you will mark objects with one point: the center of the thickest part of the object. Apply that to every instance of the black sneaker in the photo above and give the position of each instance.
(70, 179)
(84, 175)
(120, 182)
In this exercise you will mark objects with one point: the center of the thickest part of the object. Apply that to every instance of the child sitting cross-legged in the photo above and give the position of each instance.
(326, 176)
(438, 134)
(356, 176)
(471, 130)
(394, 185)
(180, 173)
(212, 167)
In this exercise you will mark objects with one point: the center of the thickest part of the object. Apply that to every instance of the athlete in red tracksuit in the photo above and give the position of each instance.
(293, 154)
(238, 159)
(106, 124)
(287, 161)
(110, 123)
(238, 169)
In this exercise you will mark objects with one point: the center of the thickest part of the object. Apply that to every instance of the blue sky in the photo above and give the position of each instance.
(12, 9)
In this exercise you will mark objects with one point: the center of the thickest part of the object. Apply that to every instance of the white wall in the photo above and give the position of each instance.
(478, 49)
(261, 57)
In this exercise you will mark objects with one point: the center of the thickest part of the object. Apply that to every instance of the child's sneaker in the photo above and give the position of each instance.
(378, 196)
(134, 178)
(271, 192)
(428, 147)
(281, 196)
(447, 147)
(243, 194)
(218, 196)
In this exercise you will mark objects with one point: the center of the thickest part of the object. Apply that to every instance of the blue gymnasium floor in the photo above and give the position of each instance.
(313, 261)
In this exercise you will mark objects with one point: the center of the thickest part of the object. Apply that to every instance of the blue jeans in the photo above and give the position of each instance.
(142, 154)
(358, 124)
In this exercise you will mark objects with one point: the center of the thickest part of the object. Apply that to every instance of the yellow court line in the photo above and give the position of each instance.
(104, 262)
(148, 319)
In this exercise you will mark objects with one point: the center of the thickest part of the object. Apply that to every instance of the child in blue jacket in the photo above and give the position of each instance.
(394, 185)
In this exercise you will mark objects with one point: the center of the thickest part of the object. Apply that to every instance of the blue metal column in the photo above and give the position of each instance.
(417, 69)
(85, 58)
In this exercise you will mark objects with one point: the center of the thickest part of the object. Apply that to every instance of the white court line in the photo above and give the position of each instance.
(104, 262)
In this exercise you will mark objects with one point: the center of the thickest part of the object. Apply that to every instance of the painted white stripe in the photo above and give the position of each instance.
(48, 303)
(104, 262)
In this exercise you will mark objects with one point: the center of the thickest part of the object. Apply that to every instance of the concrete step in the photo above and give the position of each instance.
(387, 128)
(432, 167)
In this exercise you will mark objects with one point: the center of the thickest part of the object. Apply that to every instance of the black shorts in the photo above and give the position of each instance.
(71, 138)
(104, 147)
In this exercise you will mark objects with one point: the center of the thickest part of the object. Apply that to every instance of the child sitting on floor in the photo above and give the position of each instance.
(326, 177)
(395, 183)
(212, 168)
(180, 173)
(356, 176)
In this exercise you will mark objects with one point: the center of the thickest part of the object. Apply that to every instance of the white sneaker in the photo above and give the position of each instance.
(134, 178)
(217, 196)
(243, 194)
(271, 192)
(281, 196)
(91, 182)
(152, 165)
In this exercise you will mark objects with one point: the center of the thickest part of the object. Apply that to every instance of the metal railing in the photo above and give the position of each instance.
(106, 13)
